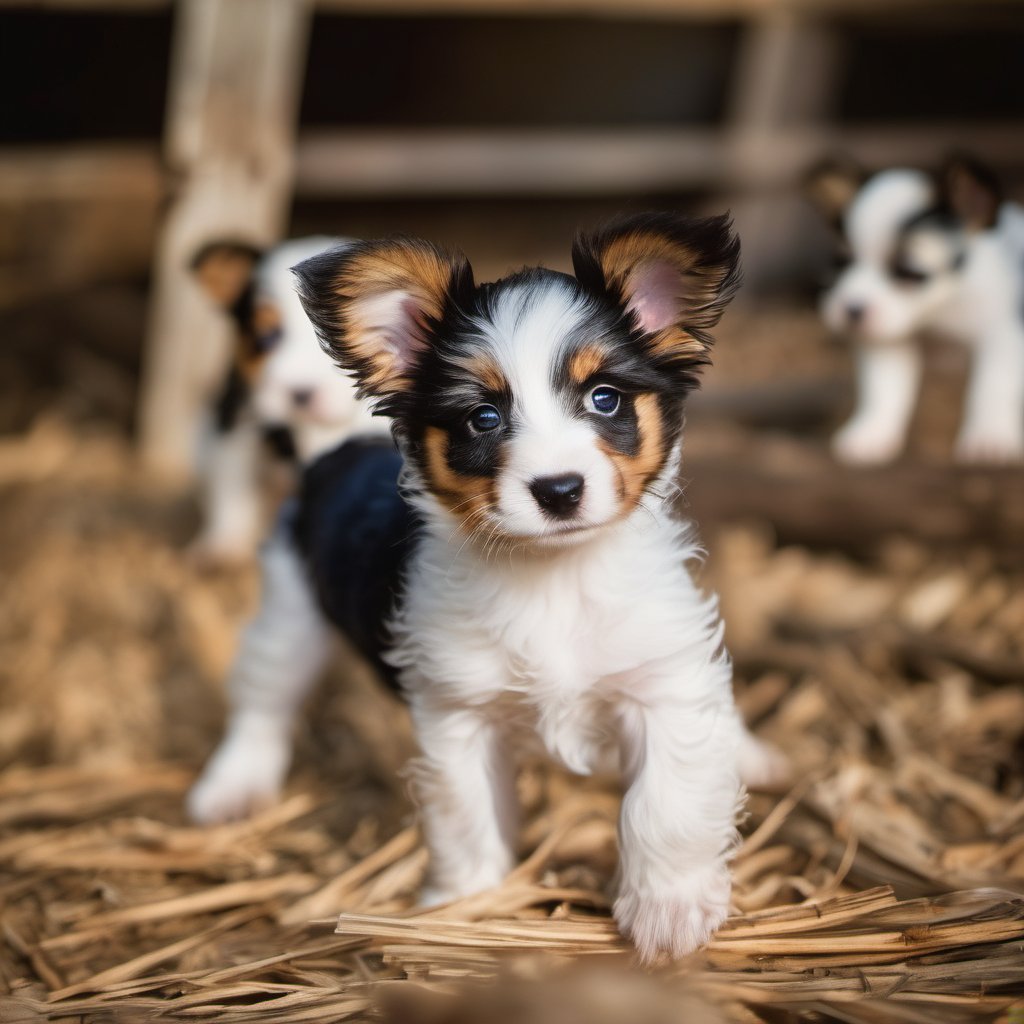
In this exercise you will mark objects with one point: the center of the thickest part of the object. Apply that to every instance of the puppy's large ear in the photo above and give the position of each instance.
(374, 305)
(674, 274)
(224, 269)
(971, 191)
(831, 184)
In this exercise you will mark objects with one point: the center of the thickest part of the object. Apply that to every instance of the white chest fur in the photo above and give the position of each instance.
(555, 639)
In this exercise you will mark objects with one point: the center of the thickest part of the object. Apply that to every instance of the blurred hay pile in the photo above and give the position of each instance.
(886, 886)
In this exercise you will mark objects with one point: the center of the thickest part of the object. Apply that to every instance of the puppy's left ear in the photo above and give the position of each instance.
(375, 304)
(674, 275)
(971, 191)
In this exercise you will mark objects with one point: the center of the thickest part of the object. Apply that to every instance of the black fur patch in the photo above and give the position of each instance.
(357, 532)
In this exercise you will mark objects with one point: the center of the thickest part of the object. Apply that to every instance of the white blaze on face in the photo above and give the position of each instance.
(889, 309)
(527, 337)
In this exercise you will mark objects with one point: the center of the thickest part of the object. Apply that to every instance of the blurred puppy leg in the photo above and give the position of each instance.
(761, 764)
(282, 653)
(232, 508)
(888, 377)
(993, 425)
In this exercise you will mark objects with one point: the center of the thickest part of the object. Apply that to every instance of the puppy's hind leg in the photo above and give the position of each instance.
(282, 652)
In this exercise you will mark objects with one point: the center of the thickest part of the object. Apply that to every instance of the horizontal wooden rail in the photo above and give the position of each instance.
(530, 162)
(716, 10)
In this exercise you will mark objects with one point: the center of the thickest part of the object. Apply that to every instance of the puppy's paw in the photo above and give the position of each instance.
(991, 446)
(860, 443)
(762, 765)
(209, 553)
(673, 920)
(240, 779)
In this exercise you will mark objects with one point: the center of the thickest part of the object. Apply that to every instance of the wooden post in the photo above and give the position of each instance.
(230, 139)
(782, 82)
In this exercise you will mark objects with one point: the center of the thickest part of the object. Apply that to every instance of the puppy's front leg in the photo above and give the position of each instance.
(465, 784)
(677, 825)
(281, 654)
(232, 505)
(888, 376)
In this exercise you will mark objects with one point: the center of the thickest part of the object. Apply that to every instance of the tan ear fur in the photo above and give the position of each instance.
(674, 275)
(831, 186)
(373, 304)
(224, 269)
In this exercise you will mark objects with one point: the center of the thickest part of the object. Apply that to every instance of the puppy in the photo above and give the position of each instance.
(281, 388)
(544, 592)
(941, 253)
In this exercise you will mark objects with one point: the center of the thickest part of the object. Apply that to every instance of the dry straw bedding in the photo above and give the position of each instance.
(887, 885)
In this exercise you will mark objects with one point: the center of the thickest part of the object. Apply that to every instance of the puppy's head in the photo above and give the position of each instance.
(293, 382)
(540, 408)
(903, 241)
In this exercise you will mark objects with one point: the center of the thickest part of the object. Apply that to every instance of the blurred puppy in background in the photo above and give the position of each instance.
(282, 397)
(920, 252)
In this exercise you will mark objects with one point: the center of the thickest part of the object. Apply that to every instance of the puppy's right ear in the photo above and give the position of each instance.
(831, 185)
(224, 269)
(376, 304)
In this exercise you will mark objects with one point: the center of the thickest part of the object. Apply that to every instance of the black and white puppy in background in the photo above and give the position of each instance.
(282, 395)
(534, 586)
(940, 253)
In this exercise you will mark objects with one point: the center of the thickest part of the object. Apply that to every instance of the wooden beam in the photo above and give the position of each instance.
(783, 78)
(530, 162)
(236, 75)
(614, 161)
(683, 10)
(667, 10)
(809, 498)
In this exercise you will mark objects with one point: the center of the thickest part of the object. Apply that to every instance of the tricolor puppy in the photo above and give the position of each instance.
(280, 388)
(939, 253)
(545, 592)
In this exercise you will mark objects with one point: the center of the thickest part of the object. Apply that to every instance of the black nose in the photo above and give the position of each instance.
(558, 495)
(855, 313)
(302, 397)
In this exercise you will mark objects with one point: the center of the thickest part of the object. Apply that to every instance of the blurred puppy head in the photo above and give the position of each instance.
(292, 381)
(904, 238)
(544, 406)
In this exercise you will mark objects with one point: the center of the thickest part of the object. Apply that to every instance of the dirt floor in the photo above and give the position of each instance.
(888, 885)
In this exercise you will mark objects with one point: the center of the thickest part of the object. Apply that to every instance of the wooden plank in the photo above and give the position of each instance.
(236, 75)
(716, 10)
(615, 161)
(809, 498)
(360, 162)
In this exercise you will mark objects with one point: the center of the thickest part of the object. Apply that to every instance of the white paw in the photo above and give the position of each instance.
(866, 444)
(209, 552)
(761, 765)
(991, 446)
(673, 920)
(434, 896)
(241, 778)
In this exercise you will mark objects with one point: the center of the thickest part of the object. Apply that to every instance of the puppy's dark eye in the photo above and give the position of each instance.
(263, 343)
(908, 275)
(484, 418)
(604, 400)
